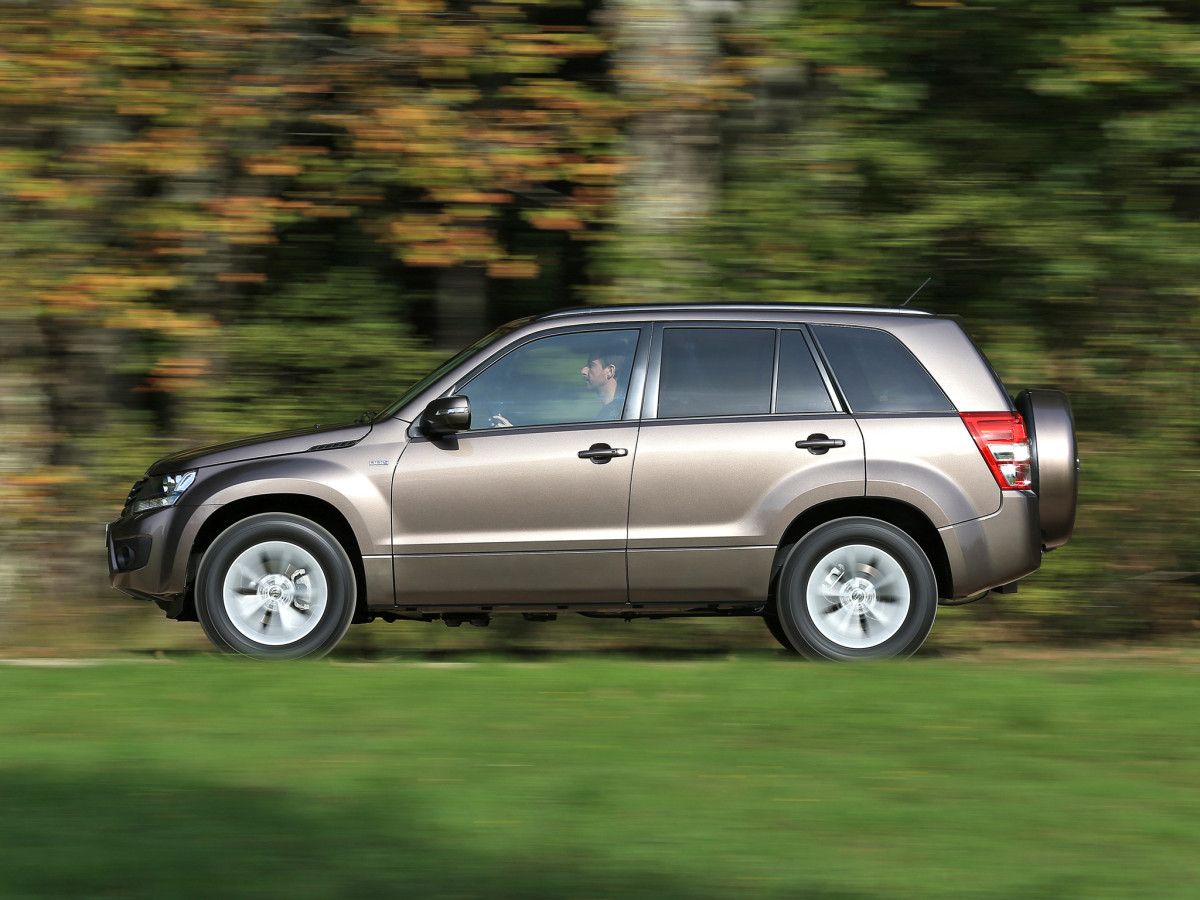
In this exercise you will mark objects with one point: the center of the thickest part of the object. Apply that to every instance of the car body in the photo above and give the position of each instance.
(835, 470)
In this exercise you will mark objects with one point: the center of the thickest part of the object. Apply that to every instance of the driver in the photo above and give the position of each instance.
(602, 374)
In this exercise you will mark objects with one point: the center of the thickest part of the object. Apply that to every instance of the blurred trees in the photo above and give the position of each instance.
(220, 217)
(1040, 160)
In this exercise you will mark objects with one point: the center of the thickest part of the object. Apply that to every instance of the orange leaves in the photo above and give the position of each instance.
(599, 172)
(121, 285)
(172, 374)
(119, 299)
(159, 151)
(562, 43)
(468, 196)
(512, 268)
(554, 219)
(201, 131)
(248, 220)
(272, 167)
(455, 236)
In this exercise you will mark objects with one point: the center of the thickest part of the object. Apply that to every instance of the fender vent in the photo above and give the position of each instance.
(340, 445)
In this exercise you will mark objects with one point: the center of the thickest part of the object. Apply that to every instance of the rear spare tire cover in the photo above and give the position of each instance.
(1056, 461)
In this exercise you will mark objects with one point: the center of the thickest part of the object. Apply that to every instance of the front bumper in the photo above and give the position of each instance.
(148, 552)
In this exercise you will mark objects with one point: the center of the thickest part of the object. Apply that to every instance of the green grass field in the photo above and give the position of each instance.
(603, 777)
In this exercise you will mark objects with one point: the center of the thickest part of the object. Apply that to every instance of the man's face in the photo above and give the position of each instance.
(595, 375)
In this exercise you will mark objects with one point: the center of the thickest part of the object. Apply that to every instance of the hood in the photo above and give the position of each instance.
(279, 443)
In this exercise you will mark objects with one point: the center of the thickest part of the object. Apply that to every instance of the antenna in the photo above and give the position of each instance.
(917, 291)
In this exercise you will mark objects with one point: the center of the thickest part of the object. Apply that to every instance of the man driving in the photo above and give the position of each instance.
(603, 374)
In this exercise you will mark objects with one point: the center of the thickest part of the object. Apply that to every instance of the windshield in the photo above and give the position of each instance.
(449, 364)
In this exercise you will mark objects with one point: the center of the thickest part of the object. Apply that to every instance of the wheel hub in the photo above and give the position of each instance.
(859, 594)
(275, 591)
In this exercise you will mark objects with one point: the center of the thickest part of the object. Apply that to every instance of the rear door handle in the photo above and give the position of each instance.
(816, 444)
(602, 453)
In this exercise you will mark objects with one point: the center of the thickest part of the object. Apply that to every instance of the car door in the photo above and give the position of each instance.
(528, 506)
(740, 433)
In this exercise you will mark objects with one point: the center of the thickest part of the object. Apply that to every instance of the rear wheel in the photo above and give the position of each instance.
(275, 586)
(857, 588)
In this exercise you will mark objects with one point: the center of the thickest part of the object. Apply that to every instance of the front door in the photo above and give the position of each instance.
(509, 512)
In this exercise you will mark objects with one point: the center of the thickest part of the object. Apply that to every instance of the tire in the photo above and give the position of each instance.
(856, 589)
(275, 586)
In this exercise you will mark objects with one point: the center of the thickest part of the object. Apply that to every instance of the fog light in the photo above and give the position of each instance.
(131, 553)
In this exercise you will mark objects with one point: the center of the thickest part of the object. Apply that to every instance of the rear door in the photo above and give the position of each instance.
(719, 474)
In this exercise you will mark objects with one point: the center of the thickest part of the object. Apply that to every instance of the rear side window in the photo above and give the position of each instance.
(877, 373)
(716, 372)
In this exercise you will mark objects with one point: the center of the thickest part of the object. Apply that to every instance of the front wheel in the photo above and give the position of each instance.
(275, 586)
(857, 589)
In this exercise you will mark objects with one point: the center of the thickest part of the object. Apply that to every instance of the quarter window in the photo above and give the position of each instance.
(877, 373)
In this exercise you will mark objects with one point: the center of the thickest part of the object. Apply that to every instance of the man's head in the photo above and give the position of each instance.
(602, 372)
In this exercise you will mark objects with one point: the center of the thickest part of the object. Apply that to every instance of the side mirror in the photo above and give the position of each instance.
(445, 416)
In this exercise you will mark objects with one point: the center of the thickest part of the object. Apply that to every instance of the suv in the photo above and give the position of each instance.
(834, 470)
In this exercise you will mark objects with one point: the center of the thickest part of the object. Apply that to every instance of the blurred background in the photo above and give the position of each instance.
(222, 217)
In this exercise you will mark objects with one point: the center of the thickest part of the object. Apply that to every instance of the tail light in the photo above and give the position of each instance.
(1004, 443)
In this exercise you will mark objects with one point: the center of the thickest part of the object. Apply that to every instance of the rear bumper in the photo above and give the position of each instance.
(997, 549)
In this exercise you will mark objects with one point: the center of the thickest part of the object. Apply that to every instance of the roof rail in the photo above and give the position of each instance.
(626, 308)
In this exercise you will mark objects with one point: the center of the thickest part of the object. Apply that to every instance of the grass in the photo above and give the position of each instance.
(601, 777)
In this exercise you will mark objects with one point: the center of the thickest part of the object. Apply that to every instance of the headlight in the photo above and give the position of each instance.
(160, 492)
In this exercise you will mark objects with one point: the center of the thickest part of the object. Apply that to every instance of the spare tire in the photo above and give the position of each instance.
(1051, 430)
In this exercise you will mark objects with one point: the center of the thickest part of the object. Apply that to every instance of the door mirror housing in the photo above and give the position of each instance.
(446, 416)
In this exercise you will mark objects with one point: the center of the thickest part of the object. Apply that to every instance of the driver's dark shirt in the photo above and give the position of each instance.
(612, 409)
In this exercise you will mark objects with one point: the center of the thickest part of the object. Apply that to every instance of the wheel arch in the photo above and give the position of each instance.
(907, 518)
(314, 509)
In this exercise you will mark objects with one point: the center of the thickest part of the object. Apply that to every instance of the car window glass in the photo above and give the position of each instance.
(716, 372)
(562, 379)
(877, 373)
(801, 388)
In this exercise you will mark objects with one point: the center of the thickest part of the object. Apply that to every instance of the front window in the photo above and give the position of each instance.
(557, 380)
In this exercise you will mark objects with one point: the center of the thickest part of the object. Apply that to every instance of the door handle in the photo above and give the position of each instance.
(602, 453)
(816, 444)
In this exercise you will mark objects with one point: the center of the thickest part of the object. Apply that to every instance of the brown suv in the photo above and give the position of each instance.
(834, 470)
